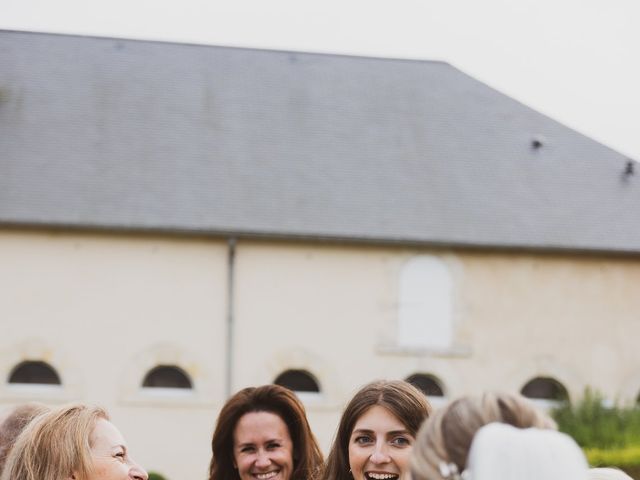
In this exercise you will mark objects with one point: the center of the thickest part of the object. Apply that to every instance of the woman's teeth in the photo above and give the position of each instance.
(380, 476)
(266, 476)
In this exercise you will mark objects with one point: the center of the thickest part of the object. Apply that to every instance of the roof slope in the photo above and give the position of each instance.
(110, 133)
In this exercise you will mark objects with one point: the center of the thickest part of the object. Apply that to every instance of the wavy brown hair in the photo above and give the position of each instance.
(402, 399)
(307, 457)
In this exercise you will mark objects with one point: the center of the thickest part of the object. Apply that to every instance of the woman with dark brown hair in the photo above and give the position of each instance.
(263, 434)
(376, 433)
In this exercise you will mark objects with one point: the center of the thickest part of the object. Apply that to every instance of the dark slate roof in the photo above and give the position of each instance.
(137, 135)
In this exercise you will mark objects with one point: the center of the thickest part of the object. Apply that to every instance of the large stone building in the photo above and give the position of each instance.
(181, 221)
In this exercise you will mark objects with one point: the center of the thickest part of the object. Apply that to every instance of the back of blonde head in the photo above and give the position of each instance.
(54, 445)
(447, 435)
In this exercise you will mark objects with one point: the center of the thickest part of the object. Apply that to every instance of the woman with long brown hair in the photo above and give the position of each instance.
(376, 432)
(263, 434)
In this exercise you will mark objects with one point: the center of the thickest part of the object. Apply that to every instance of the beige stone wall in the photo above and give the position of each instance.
(105, 308)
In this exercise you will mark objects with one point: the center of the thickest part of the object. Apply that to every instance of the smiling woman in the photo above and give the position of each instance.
(263, 434)
(262, 447)
(376, 432)
(72, 442)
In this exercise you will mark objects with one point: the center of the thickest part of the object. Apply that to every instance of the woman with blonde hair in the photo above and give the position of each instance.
(75, 442)
(443, 443)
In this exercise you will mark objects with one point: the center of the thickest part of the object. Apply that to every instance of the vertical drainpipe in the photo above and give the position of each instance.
(231, 265)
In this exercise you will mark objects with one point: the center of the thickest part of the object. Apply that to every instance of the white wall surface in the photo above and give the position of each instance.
(104, 308)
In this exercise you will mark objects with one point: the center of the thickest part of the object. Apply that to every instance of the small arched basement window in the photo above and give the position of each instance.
(167, 376)
(34, 372)
(298, 381)
(428, 384)
(545, 388)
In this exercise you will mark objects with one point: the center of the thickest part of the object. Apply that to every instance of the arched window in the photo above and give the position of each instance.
(429, 384)
(298, 381)
(425, 304)
(34, 372)
(167, 376)
(545, 388)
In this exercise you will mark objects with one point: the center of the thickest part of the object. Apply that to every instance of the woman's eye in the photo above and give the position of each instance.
(401, 441)
(120, 456)
(273, 446)
(246, 449)
(362, 439)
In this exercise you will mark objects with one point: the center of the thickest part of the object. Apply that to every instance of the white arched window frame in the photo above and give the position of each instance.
(22, 384)
(425, 309)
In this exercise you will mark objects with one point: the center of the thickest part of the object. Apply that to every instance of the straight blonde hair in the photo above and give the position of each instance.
(55, 445)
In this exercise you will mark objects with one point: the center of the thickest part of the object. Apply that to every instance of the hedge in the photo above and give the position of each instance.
(609, 436)
(628, 459)
(594, 425)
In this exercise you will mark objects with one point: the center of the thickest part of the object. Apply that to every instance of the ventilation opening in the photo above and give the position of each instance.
(298, 381)
(545, 388)
(167, 376)
(429, 384)
(34, 373)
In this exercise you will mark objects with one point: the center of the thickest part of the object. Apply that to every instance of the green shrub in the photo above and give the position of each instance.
(155, 476)
(628, 459)
(595, 426)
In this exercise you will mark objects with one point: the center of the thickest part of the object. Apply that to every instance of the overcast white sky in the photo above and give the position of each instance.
(577, 61)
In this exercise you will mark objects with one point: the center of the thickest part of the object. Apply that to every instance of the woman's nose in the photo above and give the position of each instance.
(263, 459)
(138, 473)
(380, 455)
